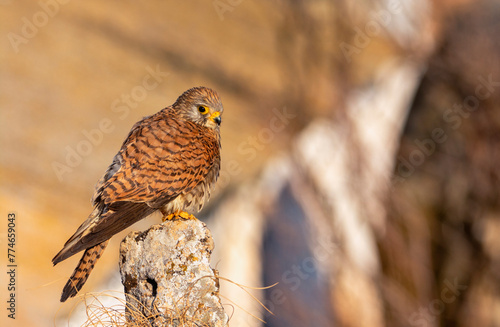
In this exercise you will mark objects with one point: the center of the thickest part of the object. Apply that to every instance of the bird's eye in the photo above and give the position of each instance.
(203, 109)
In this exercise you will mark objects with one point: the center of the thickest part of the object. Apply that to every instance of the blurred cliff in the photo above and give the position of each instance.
(360, 144)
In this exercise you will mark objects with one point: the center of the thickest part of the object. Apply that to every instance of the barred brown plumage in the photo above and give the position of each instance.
(169, 162)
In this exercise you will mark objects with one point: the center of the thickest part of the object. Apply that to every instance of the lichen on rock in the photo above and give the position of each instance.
(167, 276)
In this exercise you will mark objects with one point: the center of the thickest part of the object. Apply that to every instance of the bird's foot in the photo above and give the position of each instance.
(182, 214)
(185, 215)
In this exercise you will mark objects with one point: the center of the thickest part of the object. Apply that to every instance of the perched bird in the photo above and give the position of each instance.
(168, 162)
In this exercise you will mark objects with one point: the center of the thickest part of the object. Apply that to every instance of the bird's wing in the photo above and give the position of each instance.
(161, 158)
(100, 226)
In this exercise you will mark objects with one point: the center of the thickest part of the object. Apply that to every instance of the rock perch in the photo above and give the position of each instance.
(167, 276)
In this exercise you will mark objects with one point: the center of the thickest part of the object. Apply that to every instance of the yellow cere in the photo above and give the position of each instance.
(214, 115)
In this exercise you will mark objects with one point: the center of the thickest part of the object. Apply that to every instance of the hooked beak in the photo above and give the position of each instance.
(215, 117)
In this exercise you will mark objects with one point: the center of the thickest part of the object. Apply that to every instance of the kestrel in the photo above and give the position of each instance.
(168, 162)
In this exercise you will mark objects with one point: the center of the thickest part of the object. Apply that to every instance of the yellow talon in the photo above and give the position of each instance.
(185, 215)
(168, 217)
(181, 214)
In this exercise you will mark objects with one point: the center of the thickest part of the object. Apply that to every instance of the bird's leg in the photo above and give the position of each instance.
(182, 214)
(165, 216)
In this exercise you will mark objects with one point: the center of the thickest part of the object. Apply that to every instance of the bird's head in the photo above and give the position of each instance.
(200, 105)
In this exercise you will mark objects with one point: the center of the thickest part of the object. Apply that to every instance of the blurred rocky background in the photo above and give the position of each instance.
(360, 142)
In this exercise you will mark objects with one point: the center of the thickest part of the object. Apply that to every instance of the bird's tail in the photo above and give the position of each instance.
(82, 271)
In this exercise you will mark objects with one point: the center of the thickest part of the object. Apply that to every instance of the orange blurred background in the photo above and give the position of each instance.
(359, 156)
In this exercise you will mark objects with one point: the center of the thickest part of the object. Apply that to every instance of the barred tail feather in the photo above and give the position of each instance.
(82, 271)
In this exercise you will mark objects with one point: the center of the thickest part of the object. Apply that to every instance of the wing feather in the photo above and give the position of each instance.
(161, 159)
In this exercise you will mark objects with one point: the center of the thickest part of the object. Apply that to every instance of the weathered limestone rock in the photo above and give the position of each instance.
(167, 276)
